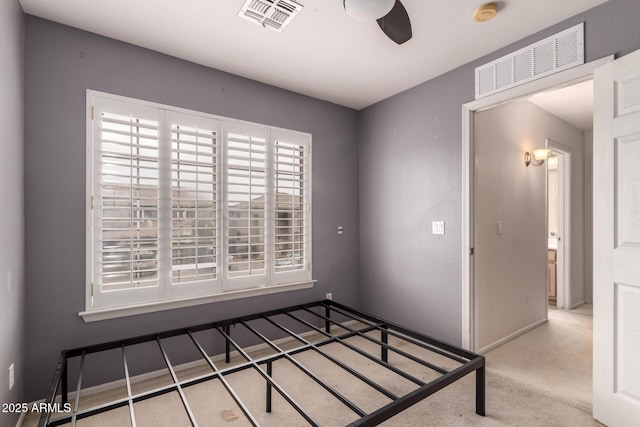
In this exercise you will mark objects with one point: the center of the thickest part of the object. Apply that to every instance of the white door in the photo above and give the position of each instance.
(616, 243)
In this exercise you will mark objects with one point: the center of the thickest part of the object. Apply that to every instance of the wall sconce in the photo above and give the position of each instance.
(536, 157)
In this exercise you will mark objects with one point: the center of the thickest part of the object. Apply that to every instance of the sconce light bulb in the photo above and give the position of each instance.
(541, 153)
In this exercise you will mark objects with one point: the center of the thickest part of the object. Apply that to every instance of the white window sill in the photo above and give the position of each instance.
(115, 312)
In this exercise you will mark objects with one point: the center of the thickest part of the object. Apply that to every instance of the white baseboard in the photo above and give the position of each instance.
(150, 375)
(512, 336)
(576, 305)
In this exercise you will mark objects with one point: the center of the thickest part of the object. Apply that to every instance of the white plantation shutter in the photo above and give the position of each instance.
(126, 211)
(129, 182)
(292, 174)
(246, 199)
(183, 204)
(193, 202)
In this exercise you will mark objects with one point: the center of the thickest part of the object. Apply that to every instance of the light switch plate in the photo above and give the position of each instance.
(437, 227)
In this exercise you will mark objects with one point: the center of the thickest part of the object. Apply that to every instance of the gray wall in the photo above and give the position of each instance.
(410, 175)
(514, 263)
(11, 205)
(61, 63)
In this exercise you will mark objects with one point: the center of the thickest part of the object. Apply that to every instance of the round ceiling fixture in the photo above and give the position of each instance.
(365, 10)
(485, 12)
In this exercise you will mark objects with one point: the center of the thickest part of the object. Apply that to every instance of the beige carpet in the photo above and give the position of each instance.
(542, 378)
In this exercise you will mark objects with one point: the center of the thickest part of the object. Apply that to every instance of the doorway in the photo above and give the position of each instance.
(511, 222)
(471, 323)
(514, 235)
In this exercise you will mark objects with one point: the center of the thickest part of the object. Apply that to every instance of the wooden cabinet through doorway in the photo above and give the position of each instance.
(553, 274)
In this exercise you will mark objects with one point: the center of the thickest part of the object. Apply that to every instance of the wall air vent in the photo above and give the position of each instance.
(551, 55)
(273, 14)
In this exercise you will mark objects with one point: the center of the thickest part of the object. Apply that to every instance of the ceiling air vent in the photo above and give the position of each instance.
(273, 14)
(551, 55)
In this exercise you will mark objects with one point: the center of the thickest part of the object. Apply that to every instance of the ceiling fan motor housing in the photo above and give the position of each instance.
(367, 10)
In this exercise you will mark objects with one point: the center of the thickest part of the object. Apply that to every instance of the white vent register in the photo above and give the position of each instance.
(556, 53)
(273, 14)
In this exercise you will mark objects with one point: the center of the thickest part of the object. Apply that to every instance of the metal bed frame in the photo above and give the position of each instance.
(324, 312)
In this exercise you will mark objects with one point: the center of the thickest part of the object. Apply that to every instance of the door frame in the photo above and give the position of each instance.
(555, 81)
(563, 261)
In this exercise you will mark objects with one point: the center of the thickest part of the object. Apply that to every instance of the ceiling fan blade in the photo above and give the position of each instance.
(396, 24)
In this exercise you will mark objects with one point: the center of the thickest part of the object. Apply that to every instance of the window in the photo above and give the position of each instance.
(185, 205)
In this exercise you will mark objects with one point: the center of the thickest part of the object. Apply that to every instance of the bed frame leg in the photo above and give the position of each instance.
(269, 387)
(327, 323)
(384, 337)
(227, 344)
(65, 384)
(480, 391)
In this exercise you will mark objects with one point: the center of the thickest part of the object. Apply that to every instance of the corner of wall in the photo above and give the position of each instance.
(12, 292)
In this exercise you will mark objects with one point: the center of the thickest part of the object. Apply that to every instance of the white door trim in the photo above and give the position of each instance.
(565, 78)
(564, 224)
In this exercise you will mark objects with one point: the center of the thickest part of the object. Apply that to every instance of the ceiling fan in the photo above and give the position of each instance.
(391, 16)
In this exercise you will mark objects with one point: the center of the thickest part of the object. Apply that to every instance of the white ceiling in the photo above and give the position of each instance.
(322, 53)
(573, 104)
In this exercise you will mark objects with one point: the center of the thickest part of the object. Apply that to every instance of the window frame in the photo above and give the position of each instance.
(102, 304)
